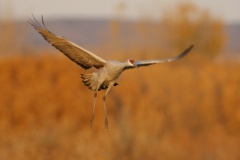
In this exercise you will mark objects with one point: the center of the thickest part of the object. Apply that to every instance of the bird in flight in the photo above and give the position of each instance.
(108, 71)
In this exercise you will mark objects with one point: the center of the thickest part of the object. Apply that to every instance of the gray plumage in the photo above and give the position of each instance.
(108, 72)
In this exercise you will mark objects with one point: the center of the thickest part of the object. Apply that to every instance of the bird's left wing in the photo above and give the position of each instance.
(151, 62)
(76, 53)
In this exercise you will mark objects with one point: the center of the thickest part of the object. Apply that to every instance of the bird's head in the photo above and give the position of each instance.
(130, 62)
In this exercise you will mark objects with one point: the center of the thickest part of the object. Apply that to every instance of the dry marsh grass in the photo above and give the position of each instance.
(170, 111)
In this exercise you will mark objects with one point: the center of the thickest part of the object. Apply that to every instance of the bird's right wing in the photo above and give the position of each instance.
(151, 62)
(76, 53)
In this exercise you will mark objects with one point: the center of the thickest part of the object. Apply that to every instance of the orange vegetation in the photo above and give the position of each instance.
(187, 23)
(170, 111)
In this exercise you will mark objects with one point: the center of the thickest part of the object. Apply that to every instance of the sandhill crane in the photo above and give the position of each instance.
(108, 72)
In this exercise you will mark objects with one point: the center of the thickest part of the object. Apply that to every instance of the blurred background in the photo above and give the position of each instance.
(188, 109)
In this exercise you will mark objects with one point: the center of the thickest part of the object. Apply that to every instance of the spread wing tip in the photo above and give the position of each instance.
(185, 52)
(36, 24)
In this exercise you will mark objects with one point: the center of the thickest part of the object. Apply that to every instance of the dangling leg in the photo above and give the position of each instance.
(104, 101)
(94, 104)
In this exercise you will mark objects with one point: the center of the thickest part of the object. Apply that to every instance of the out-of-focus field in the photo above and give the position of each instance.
(181, 110)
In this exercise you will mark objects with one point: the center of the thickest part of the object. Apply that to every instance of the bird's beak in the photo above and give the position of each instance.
(135, 66)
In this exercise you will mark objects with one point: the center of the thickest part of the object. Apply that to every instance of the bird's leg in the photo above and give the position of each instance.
(105, 112)
(94, 104)
(104, 101)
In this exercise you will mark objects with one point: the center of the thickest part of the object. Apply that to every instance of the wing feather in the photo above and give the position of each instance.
(151, 62)
(76, 53)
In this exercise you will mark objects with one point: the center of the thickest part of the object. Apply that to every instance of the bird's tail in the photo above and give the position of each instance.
(90, 80)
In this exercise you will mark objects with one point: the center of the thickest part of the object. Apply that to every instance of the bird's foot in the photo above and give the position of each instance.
(106, 123)
(91, 122)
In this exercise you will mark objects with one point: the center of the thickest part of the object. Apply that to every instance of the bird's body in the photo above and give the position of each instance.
(108, 71)
(108, 74)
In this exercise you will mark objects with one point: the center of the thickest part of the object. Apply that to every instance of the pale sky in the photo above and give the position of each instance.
(228, 10)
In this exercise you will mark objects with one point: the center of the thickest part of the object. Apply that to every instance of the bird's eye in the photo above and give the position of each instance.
(131, 61)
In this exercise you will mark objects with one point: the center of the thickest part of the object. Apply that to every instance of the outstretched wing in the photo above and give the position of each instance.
(76, 53)
(151, 62)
